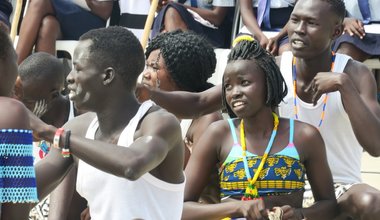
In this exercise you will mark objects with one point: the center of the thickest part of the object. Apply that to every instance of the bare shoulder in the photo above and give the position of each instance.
(79, 124)
(307, 139)
(13, 114)
(359, 73)
(158, 114)
(160, 121)
(218, 131)
(219, 127)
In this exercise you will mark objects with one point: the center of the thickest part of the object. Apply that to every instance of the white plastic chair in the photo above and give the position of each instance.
(221, 63)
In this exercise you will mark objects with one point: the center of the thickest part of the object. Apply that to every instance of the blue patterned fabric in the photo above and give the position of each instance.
(17, 175)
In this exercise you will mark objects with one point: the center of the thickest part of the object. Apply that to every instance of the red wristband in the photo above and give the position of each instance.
(57, 137)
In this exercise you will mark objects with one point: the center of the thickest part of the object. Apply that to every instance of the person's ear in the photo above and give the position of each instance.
(338, 30)
(18, 90)
(108, 75)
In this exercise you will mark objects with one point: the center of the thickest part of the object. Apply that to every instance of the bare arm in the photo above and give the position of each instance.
(360, 102)
(187, 104)
(160, 133)
(102, 9)
(309, 141)
(65, 202)
(273, 46)
(198, 170)
(215, 16)
(249, 20)
(358, 90)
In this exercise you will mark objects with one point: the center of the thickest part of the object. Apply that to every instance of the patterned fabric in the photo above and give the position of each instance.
(282, 173)
(308, 198)
(41, 210)
(17, 175)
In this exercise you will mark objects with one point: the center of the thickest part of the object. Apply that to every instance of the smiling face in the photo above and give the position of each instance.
(245, 87)
(85, 81)
(312, 27)
(156, 74)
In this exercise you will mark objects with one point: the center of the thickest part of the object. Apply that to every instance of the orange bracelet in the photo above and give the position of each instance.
(57, 137)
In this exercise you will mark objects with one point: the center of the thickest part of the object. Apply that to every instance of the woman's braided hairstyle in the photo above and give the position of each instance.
(246, 48)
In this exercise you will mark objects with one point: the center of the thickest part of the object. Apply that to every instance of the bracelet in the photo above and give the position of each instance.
(66, 148)
(57, 137)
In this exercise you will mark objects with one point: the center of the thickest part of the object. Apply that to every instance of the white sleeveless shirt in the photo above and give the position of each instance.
(116, 198)
(342, 148)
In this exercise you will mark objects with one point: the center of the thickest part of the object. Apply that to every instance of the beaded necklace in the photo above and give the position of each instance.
(295, 90)
(251, 190)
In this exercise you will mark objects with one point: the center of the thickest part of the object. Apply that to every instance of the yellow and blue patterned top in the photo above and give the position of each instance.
(282, 173)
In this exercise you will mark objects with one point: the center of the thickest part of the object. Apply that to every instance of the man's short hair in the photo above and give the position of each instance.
(117, 47)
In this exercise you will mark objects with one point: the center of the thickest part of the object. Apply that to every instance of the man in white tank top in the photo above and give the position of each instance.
(337, 95)
(128, 156)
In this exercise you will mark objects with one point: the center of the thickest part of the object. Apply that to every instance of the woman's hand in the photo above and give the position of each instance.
(263, 40)
(354, 26)
(142, 92)
(289, 213)
(272, 46)
(253, 209)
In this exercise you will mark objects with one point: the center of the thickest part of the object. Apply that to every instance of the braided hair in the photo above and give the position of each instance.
(189, 58)
(250, 49)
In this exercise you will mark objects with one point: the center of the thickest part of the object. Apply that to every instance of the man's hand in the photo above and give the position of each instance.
(324, 82)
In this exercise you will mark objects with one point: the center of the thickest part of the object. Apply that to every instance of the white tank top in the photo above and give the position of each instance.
(116, 198)
(342, 148)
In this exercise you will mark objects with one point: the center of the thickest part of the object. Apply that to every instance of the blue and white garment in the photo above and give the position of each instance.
(17, 175)
(209, 4)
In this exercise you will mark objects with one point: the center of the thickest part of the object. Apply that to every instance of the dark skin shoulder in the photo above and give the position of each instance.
(167, 154)
(13, 114)
(358, 93)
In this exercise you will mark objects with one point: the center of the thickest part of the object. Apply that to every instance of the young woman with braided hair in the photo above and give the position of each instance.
(262, 159)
